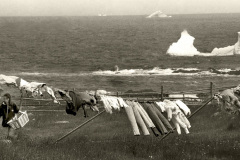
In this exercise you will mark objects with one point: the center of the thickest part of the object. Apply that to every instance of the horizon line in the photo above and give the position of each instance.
(111, 15)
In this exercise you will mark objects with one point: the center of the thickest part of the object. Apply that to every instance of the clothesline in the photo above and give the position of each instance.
(61, 138)
(149, 123)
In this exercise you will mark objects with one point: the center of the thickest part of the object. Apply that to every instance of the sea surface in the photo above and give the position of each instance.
(81, 52)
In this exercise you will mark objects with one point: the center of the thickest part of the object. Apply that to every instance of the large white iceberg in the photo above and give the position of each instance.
(229, 50)
(225, 51)
(184, 46)
(237, 46)
(159, 14)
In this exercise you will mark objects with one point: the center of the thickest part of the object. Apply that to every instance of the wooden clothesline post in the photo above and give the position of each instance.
(183, 97)
(161, 93)
(211, 89)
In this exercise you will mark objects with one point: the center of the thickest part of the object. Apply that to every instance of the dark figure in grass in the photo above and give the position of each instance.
(8, 109)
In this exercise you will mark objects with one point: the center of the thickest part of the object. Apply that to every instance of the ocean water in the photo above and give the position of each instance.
(81, 52)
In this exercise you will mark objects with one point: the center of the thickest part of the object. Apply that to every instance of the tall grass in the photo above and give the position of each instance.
(110, 137)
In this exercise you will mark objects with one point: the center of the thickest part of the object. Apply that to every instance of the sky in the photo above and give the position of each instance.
(114, 7)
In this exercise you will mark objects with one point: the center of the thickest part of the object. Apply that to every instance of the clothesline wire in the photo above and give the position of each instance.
(205, 104)
(182, 92)
(207, 89)
(204, 89)
(225, 87)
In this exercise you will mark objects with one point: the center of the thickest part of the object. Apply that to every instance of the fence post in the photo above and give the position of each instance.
(21, 100)
(183, 97)
(161, 93)
(211, 89)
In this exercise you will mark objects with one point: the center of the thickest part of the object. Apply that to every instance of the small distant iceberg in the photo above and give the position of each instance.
(158, 14)
(184, 47)
(102, 15)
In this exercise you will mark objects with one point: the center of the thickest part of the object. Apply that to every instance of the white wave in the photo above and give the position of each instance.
(154, 71)
(126, 72)
(225, 70)
(51, 74)
(138, 72)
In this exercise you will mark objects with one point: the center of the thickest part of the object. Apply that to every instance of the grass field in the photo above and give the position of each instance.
(110, 137)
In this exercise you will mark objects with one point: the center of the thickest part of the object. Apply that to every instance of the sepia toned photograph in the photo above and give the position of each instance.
(119, 80)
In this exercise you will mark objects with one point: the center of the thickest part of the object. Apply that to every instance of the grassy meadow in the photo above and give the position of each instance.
(110, 137)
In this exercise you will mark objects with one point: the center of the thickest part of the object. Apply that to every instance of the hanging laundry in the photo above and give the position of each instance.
(171, 108)
(154, 117)
(162, 118)
(132, 119)
(36, 88)
(184, 107)
(50, 92)
(144, 114)
(139, 119)
(110, 102)
(106, 104)
(177, 123)
(77, 100)
(32, 87)
(102, 92)
(121, 102)
(113, 102)
(21, 82)
(146, 118)
(184, 119)
(161, 106)
(8, 80)
(177, 117)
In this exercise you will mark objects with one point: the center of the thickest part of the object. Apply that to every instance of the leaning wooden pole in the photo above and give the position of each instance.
(79, 126)
(209, 100)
